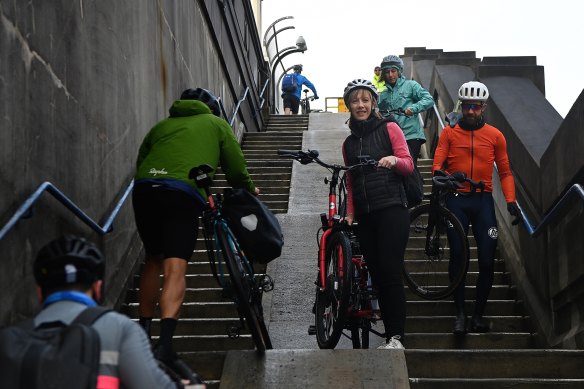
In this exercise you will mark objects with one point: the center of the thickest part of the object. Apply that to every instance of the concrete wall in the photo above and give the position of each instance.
(80, 85)
(547, 159)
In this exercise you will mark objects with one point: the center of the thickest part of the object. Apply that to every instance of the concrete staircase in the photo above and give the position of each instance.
(201, 337)
(505, 357)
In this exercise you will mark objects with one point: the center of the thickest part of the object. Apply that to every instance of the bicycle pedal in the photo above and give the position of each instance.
(312, 329)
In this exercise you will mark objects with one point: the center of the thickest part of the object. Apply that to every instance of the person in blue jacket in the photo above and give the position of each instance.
(292, 99)
(408, 95)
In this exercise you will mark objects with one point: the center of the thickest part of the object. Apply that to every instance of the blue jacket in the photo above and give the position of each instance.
(302, 81)
(407, 94)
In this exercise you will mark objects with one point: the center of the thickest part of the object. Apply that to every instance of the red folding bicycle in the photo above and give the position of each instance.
(344, 295)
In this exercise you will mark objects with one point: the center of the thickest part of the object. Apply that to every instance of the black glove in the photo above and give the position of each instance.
(514, 211)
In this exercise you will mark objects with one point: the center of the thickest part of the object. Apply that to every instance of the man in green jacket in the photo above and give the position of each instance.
(167, 204)
(408, 95)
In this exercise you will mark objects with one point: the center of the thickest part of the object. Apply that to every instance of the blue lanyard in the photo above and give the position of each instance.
(69, 296)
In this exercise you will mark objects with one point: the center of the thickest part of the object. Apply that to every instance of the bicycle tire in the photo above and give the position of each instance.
(332, 301)
(247, 300)
(360, 334)
(426, 272)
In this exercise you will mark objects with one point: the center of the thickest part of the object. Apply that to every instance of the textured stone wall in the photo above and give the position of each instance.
(81, 82)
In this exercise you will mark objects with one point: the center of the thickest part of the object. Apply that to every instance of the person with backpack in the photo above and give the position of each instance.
(376, 199)
(167, 204)
(472, 146)
(107, 350)
(292, 88)
(408, 95)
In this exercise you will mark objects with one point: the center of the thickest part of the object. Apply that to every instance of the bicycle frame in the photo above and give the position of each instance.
(244, 286)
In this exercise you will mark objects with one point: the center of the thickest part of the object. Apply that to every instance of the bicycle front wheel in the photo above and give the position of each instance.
(246, 294)
(332, 300)
(434, 235)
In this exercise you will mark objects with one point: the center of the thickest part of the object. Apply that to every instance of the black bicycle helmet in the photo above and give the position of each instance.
(204, 96)
(68, 260)
(359, 83)
(298, 68)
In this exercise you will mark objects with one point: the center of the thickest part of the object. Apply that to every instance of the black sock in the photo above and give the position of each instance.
(146, 324)
(167, 328)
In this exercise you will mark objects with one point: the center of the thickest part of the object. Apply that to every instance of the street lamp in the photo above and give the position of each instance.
(299, 48)
(270, 35)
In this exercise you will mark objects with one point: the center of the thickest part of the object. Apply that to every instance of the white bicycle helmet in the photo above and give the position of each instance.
(473, 90)
(359, 83)
(392, 60)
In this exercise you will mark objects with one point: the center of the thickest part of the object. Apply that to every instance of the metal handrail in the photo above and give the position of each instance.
(236, 109)
(25, 209)
(554, 213)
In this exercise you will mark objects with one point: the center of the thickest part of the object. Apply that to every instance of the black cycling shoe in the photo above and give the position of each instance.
(176, 366)
(459, 324)
(479, 324)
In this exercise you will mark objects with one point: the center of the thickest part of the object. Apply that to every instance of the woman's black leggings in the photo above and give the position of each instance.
(383, 236)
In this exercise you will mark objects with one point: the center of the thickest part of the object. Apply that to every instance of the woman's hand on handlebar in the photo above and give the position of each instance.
(388, 162)
(349, 218)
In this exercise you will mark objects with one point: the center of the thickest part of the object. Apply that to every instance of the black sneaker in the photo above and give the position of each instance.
(175, 366)
(459, 327)
(479, 324)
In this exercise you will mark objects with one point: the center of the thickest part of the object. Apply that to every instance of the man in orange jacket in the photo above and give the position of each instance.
(471, 146)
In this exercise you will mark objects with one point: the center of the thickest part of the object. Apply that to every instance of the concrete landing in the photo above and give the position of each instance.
(338, 369)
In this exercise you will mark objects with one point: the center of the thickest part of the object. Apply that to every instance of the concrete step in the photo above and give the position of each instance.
(443, 324)
(489, 363)
(490, 340)
(489, 383)
(212, 309)
(441, 278)
(446, 308)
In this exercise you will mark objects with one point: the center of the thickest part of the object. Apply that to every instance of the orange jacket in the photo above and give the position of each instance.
(474, 152)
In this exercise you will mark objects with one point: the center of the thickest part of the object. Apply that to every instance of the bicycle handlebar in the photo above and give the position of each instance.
(455, 180)
(306, 157)
(398, 111)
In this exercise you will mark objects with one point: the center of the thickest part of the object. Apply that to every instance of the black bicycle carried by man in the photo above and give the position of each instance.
(232, 269)
(434, 233)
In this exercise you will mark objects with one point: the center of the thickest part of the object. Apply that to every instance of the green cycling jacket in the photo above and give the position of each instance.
(189, 137)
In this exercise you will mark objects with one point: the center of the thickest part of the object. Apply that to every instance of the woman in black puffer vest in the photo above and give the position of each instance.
(377, 201)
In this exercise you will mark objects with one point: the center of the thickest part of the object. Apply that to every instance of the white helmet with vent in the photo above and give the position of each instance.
(473, 90)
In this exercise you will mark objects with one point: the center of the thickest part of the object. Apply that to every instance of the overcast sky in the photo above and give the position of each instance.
(347, 38)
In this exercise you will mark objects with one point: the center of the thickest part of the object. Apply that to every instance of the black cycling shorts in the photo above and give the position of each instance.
(292, 102)
(167, 220)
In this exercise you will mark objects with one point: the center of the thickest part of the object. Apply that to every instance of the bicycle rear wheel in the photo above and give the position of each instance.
(432, 239)
(332, 301)
(247, 295)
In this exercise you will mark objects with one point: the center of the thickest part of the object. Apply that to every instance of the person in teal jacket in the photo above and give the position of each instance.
(167, 204)
(408, 95)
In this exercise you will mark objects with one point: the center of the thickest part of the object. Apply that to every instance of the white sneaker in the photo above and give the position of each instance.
(394, 343)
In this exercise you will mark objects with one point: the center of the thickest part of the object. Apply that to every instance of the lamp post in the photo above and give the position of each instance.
(270, 35)
(299, 48)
